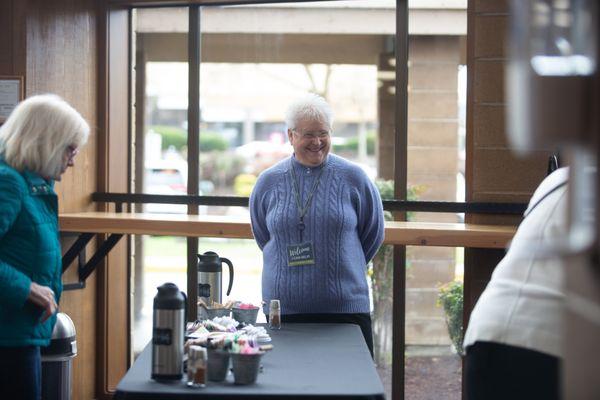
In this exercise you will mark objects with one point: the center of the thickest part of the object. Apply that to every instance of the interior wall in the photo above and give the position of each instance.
(12, 57)
(53, 46)
(493, 172)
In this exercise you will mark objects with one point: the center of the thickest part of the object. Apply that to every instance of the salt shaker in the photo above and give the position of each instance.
(274, 314)
(196, 366)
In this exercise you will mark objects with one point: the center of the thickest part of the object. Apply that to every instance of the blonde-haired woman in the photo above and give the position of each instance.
(38, 143)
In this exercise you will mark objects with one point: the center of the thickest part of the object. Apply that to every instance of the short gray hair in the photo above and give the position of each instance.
(311, 106)
(38, 132)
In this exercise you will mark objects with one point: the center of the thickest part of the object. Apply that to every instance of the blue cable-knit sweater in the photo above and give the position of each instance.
(344, 222)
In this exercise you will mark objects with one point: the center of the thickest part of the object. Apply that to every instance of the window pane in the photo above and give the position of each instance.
(162, 259)
(255, 61)
(159, 164)
(435, 170)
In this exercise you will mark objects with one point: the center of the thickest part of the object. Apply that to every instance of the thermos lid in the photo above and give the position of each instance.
(209, 262)
(169, 297)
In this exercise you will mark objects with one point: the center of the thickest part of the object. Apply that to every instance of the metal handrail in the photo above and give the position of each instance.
(388, 205)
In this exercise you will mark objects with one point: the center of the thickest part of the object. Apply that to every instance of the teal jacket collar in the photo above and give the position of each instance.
(36, 184)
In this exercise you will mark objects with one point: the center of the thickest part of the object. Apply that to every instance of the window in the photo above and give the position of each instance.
(254, 60)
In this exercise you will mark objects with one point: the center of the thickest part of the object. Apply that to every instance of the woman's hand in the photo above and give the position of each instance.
(43, 296)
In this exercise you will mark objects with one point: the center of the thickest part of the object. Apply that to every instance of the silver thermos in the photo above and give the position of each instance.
(209, 277)
(168, 327)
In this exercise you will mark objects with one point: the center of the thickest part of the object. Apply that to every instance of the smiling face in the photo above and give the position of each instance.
(311, 141)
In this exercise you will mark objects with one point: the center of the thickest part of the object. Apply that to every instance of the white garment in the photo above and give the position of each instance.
(522, 304)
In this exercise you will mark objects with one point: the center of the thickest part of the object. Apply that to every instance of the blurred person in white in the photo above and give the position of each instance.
(513, 342)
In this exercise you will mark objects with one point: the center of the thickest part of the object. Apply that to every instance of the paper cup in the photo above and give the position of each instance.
(218, 365)
(245, 367)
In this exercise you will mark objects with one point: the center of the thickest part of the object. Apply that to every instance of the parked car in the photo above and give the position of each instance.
(165, 177)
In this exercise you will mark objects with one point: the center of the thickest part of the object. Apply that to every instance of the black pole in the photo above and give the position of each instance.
(193, 142)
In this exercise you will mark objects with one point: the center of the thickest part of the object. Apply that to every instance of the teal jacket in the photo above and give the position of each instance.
(29, 251)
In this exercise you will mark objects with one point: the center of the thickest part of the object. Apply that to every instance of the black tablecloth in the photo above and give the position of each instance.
(308, 361)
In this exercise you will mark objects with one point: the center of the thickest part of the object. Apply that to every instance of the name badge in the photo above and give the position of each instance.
(300, 254)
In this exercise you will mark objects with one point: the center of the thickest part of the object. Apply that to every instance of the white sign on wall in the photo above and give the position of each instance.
(11, 92)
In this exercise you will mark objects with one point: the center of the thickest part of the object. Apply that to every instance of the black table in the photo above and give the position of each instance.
(317, 361)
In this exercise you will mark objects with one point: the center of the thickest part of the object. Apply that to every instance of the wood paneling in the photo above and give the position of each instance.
(61, 59)
(54, 47)
(12, 32)
(6, 32)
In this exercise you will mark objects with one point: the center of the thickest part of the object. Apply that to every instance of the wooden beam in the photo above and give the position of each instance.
(157, 224)
(448, 234)
(396, 232)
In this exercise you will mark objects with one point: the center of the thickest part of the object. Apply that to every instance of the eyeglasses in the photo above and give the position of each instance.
(321, 135)
(72, 152)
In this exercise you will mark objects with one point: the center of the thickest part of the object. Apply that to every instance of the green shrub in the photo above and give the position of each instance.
(381, 276)
(221, 167)
(451, 298)
(171, 136)
(386, 191)
(351, 145)
(177, 137)
(212, 141)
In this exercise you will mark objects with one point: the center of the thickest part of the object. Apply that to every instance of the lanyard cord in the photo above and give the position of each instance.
(302, 210)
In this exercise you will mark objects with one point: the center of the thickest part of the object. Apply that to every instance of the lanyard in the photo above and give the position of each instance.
(302, 210)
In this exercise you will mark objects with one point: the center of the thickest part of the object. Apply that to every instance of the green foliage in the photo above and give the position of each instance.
(351, 145)
(451, 298)
(243, 184)
(386, 191)
(221, 167)
(171, 136)
(413, 192)
(381, 275)
(177, 137)
(212, 141)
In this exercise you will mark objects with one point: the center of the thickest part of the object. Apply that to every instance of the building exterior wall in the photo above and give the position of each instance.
(493, 172)
(433, 164)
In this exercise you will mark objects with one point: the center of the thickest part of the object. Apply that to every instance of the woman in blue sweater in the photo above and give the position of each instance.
(38, 143)
(319, 221)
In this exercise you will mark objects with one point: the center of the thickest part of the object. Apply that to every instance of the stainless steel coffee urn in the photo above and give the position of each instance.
(168, 327)
(210, 270)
